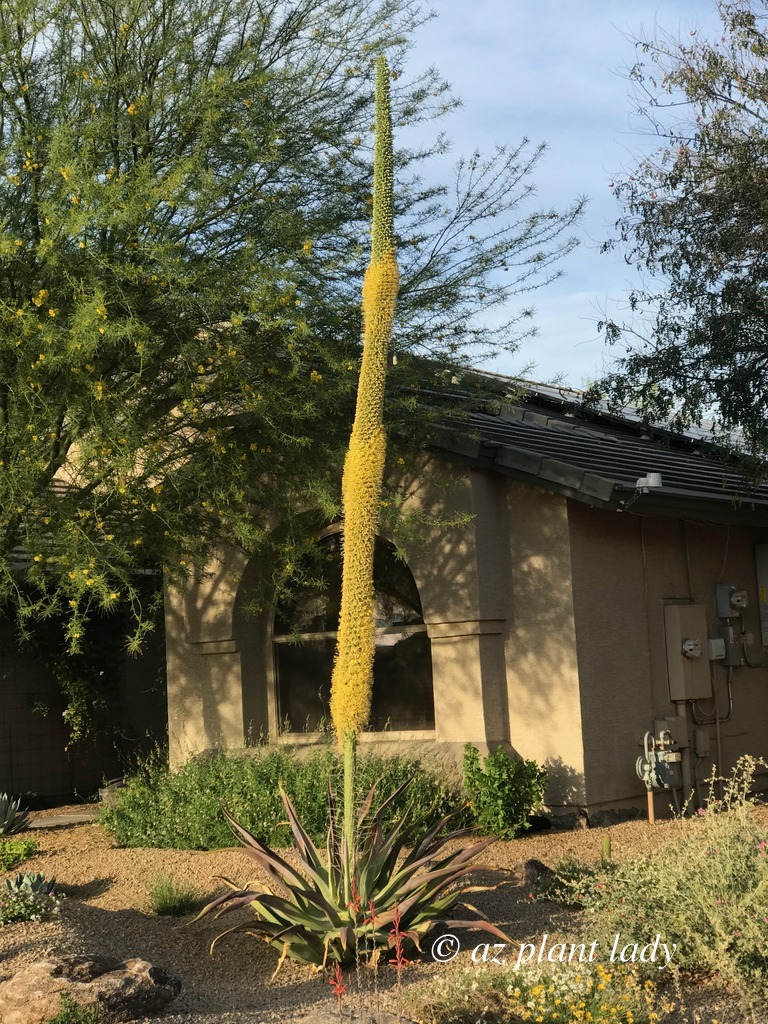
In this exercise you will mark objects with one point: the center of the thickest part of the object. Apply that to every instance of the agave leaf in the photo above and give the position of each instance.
(456, 859)
(277, 868)
(242, 927)
(209, 907)
(309, 852)
(393, 796)
(237, 901)
(366, 806)
(348, 938)
(332, 912)
(280, 963)
(332, 847)
(481, 925)
(425, 843)
(431, 848)
(382, 856)
(405, 878)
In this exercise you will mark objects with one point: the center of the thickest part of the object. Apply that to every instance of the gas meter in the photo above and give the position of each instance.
(660, 766)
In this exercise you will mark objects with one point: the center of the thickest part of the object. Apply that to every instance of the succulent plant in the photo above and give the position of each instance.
(306, 913)
(33, 882)
(12, 818)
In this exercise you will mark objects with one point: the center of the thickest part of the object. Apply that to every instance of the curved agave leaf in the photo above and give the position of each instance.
(309, 918)
(362, 814)
(307, 849)
(335, 866)
(278, 869)
(481, 925)
(220, 901)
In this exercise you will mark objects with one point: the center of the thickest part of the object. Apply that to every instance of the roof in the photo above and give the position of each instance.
(549, 437)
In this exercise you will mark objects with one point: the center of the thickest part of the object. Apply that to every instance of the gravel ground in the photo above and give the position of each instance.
(107, 911)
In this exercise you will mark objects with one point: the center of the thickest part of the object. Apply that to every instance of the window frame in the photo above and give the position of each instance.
(369, 735)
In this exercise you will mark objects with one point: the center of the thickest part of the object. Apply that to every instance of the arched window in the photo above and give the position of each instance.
(305, 643)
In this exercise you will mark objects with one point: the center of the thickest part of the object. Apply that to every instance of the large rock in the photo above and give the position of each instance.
(119, 990)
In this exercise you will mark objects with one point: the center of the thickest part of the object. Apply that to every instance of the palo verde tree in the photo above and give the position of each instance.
(184, 196)
(696, 220)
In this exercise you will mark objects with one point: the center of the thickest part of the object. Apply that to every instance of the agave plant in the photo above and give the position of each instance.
(12, 818)
(306, 913)
(32, 882)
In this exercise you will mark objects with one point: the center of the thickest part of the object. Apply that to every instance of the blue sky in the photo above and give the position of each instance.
(554, 71)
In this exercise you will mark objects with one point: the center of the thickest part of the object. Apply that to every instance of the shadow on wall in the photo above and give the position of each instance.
(491, 561)
(565, 785)
(507, 567)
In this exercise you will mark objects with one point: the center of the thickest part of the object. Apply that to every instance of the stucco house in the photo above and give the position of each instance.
(551, 623)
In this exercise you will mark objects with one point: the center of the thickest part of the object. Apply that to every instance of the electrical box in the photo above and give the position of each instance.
(701, 742)
(761, 563)
(716, 648)
(732, 642)
(729, 601)
(687, 665)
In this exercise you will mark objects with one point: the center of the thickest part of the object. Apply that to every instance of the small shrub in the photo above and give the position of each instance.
(171, 898)
(592, 992)
(568, 883)
(73, 1013)
(502, 791)
(707, 891)
(14, 851)
(182, 809)
(26, 906)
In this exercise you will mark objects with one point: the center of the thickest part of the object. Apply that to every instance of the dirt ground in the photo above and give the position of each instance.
(106, 910)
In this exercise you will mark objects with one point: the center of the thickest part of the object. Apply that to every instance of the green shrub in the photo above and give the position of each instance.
(72, 1013)
(707, 891)
(502, 791)
(171, 898)
(14, 851)
(24, 904)
(182, 809)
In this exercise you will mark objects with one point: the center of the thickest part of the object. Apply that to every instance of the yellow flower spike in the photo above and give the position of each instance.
(352, 678)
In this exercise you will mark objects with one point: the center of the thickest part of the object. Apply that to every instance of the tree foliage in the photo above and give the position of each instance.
(184, 205)
(696, 217)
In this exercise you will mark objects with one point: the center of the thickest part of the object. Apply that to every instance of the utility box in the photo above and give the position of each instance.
(761, 562)
(687, 662)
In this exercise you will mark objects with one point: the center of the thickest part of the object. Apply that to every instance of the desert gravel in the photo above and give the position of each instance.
(107, 910)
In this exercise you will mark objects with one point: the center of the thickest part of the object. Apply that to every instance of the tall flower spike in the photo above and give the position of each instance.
(352, 679)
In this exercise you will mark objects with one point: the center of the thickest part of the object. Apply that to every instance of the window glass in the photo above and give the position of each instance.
(304, 651)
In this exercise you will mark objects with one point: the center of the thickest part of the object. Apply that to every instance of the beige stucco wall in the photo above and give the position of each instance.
(625, 569)
(546, 621)
(497, 603)
(220, 675)
(542, 668)
(205, 693)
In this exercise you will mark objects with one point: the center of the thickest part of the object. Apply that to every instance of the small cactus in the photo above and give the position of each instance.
(12, 818)
(605, 853)
(33, 882)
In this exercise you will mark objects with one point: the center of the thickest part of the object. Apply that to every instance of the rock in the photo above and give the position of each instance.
(613, 816)
(119, 990)
(529, 871)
